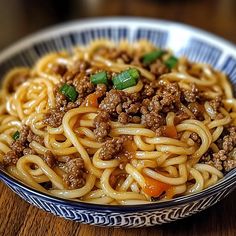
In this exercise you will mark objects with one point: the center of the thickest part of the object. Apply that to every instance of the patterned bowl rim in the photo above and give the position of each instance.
(55, 31)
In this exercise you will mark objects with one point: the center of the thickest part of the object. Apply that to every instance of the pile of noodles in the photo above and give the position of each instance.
(176, 159)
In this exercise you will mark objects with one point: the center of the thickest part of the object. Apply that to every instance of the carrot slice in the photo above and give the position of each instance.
(91, 100)
(155, 188)
(170, 131)
(130, 147)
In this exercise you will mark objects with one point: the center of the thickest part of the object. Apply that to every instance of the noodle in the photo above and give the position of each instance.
(68, 130)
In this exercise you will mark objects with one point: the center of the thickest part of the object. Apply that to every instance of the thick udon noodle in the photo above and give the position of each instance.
(178, 158)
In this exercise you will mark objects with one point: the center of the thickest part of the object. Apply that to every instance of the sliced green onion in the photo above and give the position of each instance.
(171, 62)
(126, 79)
(69, 91)
(99, 78)
(16, 135)
(134, 73)
(152, 56)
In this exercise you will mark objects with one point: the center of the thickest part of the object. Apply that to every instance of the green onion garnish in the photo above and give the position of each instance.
(16, 135)
(152, 56)
(69, 91)
(126, 79)
(171, 62)
(99, 78)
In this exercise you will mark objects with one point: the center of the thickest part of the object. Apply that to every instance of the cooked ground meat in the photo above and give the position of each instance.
(69, 76)
(131, 103)
(111, 101)
(29, 151)
(61, 100)
(154, 104)
(83, 85)
(190, 95)
(131, 108)
(194, 136)
(169, 97)
(232, 130)
(136, 119)
(101, 89)
(75, 176)
(225, 159)
(149, 105)
(55, 115)
(197, 110)
(152, 120)
(158, 68)
(154, 84)
(49, 158)
(17, 147)
(181, 116)
(144, 106)
(10, 158)
(119, 54)
(20, 147)
(102, 125)
(216, 103)
(159, 131)
(111, 148)
(150, 116)
(229, 141)
(121, 105)
(124, 118)
(148, 91)
(59, 69)
(24, 132)
(115, 179)
(33, 137)
(111, 53)
(78, 78)
(229, 164)
(217, 160)
(206, 156)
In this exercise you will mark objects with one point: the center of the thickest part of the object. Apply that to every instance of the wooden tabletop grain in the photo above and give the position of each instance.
(20, 218)
(217, 16)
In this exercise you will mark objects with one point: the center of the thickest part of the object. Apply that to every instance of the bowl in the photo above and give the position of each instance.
(184, 40)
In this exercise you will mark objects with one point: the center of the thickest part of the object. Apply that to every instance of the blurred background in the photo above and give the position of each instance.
(21, 17)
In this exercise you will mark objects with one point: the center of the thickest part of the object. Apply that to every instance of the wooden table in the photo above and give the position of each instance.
(218, 16)
(19, 218)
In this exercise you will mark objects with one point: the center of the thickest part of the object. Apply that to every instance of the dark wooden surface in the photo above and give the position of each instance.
(218, 16)
(19, 218)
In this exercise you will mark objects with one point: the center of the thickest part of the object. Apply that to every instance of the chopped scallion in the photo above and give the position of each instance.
(134, 73)
(126, 79)
(69, 91)
(16, 135)
(171, 62)
(99, 78)
(149, 58)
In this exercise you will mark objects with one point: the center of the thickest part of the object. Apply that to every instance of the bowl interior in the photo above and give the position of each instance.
(183, 40)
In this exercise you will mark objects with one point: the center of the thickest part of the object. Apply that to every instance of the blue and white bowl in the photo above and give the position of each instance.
(196, 44)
